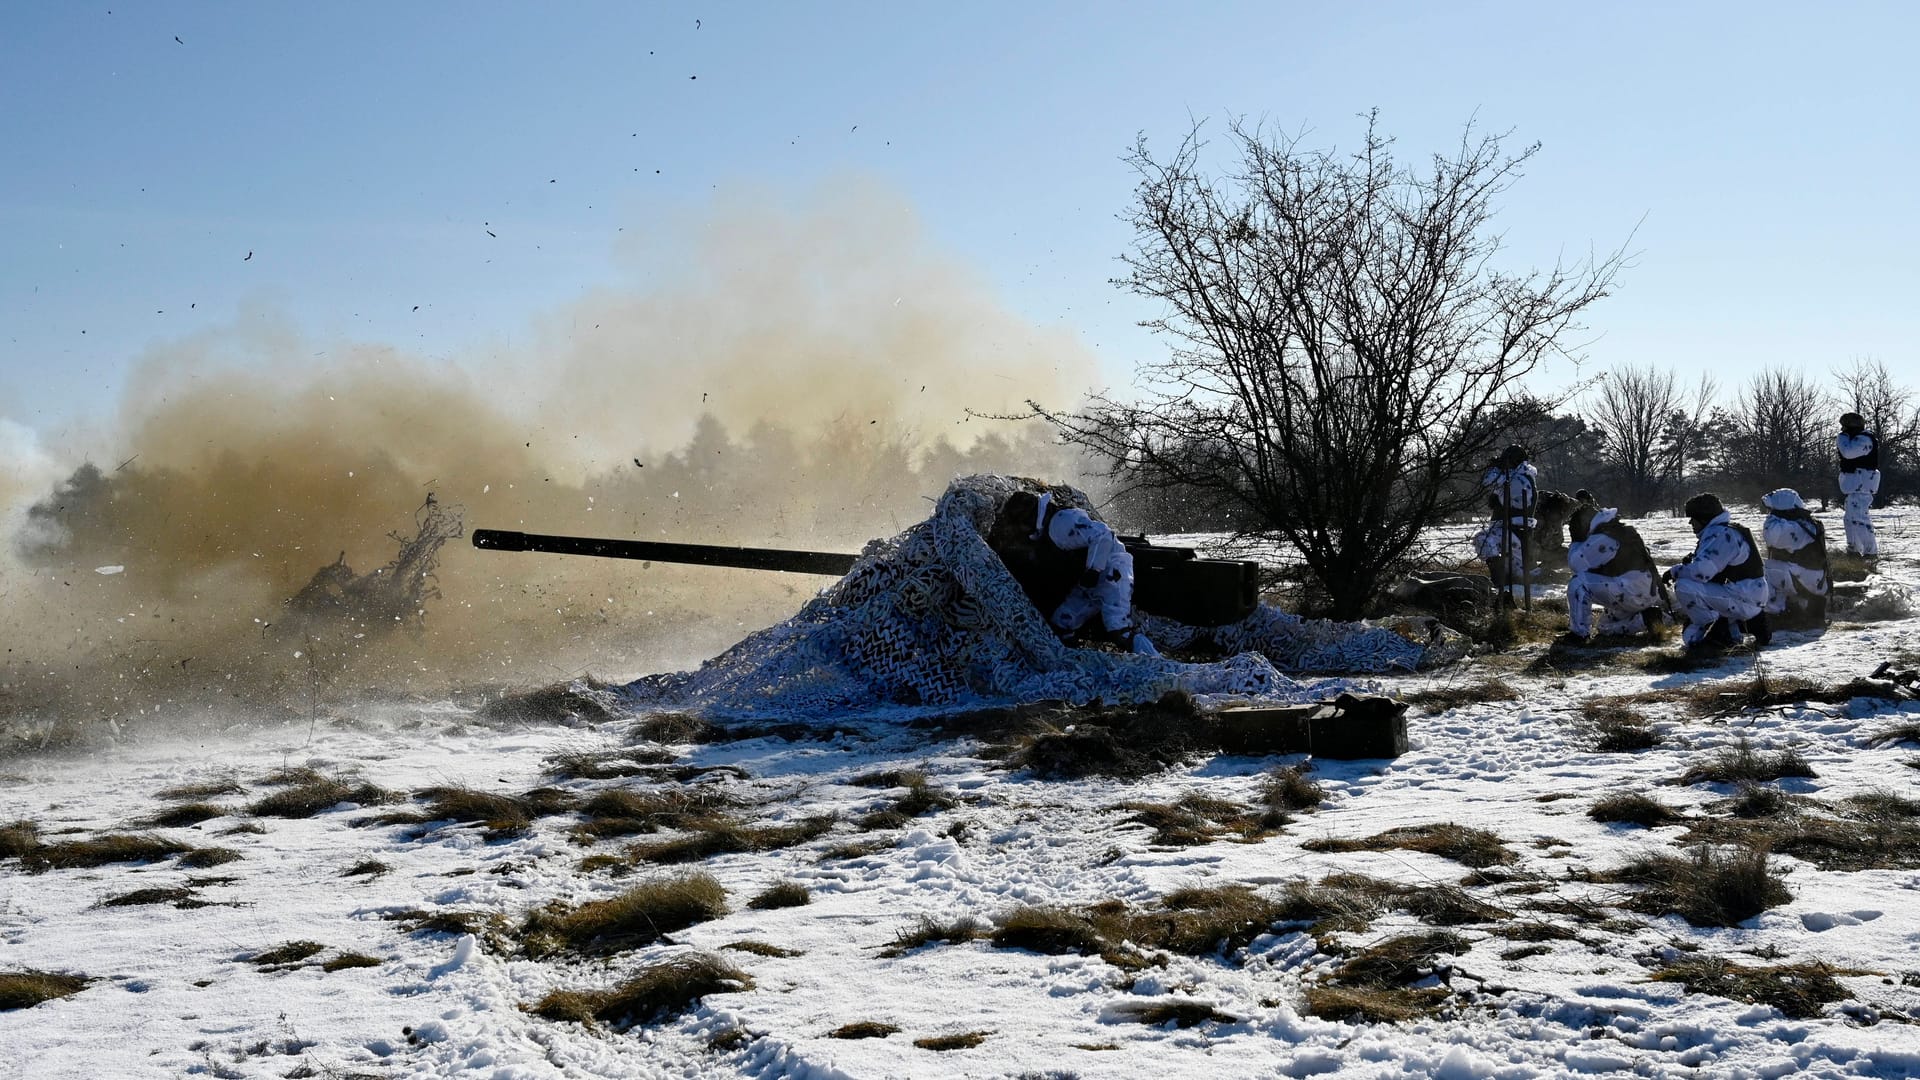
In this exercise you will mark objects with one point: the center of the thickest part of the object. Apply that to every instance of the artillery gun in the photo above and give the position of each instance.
(1171, 582)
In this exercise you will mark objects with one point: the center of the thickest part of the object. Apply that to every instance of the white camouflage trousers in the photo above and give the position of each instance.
(1621, 597)
(1791, 582)
(1111, 597)
(1702, 602)
(1859, 488)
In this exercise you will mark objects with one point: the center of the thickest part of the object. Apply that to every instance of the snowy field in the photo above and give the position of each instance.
(1538, 960)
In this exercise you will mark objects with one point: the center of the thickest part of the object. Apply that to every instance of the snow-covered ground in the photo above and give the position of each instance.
(175, 992)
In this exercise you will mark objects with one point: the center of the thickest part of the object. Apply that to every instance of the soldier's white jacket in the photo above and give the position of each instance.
(1719, 548)
(1786, 534)
(1596, 550)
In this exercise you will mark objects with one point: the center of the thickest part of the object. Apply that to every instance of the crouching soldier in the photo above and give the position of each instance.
(1796, 561)
(1611, 568)
(1722, 587)
(1105, 587)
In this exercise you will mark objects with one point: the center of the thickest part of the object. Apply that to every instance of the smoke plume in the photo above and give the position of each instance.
(779, 376)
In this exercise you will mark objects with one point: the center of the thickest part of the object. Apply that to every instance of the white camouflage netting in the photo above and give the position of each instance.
(931, 620)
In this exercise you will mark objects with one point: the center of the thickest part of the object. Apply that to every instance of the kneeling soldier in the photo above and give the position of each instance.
(1611, 568)
(1722, 587)
(1796, 561)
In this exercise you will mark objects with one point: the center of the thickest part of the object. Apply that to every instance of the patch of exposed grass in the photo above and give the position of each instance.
(639, 916)
(781, 894)
(1536, 931)
(292, 952)
(1197, 819)
(920, 798)
(1899, 733)
(1798, 990)
(890, 778)
(1524, 951)
(1852, 840)
(1203, 921)
(676, 728)
(26, 988)
(581, 702)
(1463, 844)
(1454, 695)
(1288, 789)
(1180, 1012)
(762, 948)
(1844, 565)
(1055, 931)
(499, 816)
(1757, 801)
(925, 930)
(856, 849)
(1634, 808)
(1342, 903)
(965, 1041)
(1741, 763)
(1374, 985)
(654, 992)
(310, 793)
(183, 816)
(245, 828)
(1505, 627)
(366, 868)
(1618, 727)
(207, 858)
(348, 960)
(1709, 888)
(489, 928)
(19, 839)
(621, 812)
(206, 789)
(723, 836)
(863, 1029)
(100, 851)
(606, 764)
(1120, 741)
(142, 897)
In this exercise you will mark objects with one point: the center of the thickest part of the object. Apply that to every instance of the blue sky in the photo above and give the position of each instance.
(361, 152)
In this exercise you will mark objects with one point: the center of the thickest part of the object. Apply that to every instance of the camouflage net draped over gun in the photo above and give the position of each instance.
(931, 620)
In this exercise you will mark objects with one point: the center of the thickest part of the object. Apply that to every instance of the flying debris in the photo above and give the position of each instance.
(177, 41)
(249, 257)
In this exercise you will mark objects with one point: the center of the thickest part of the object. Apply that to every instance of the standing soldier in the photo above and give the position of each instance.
(1611, 568)
(1722, 587)
(1511, 492)
(1796, 560)
(1859, 481)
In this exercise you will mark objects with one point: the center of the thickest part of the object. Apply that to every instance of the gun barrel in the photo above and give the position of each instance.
(825, 563)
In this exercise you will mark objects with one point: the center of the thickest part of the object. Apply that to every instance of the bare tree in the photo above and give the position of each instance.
(1891, 412)
(1777, 435)
(1648, 425)
(1343, 342)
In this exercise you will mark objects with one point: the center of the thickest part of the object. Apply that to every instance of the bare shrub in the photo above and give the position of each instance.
(1710, 888)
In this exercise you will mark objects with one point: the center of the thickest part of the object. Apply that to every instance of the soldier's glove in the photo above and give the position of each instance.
(1667, 575)
(1089, 578)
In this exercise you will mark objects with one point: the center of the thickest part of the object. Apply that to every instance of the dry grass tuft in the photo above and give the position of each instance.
(863, 1029)
(607, 764)
(19, 839)
(1180, 1012)
(890, 778)
(925, 930)
(920, 798)
(1798, 990)
(856, 849)
(676, 728)
(1197, 819)
(141, 897)
(1710, 888)
(781, 894)
(490, 928)
(1899, 733)
(1634, 808)
(584, 701)
(366, 868)
(304, 793)
(621, 812)
(1055, 931)
(1740, 763)
(1343, 903)
(207, 858)
(1454, 695)
(762, 948)
(1374, 984)
(724, 836)
(1618, 728)
(654, 992)
(1288, 789)
(966, 1041)
(1204, 921)
(1120, 741)
(291, 952)
(209, 789)
(637, 917)
(499, 816)
(1461, 843)
(100, 851)
(1536, 931)
(26, 988)
(348, 960)
(183, 816)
